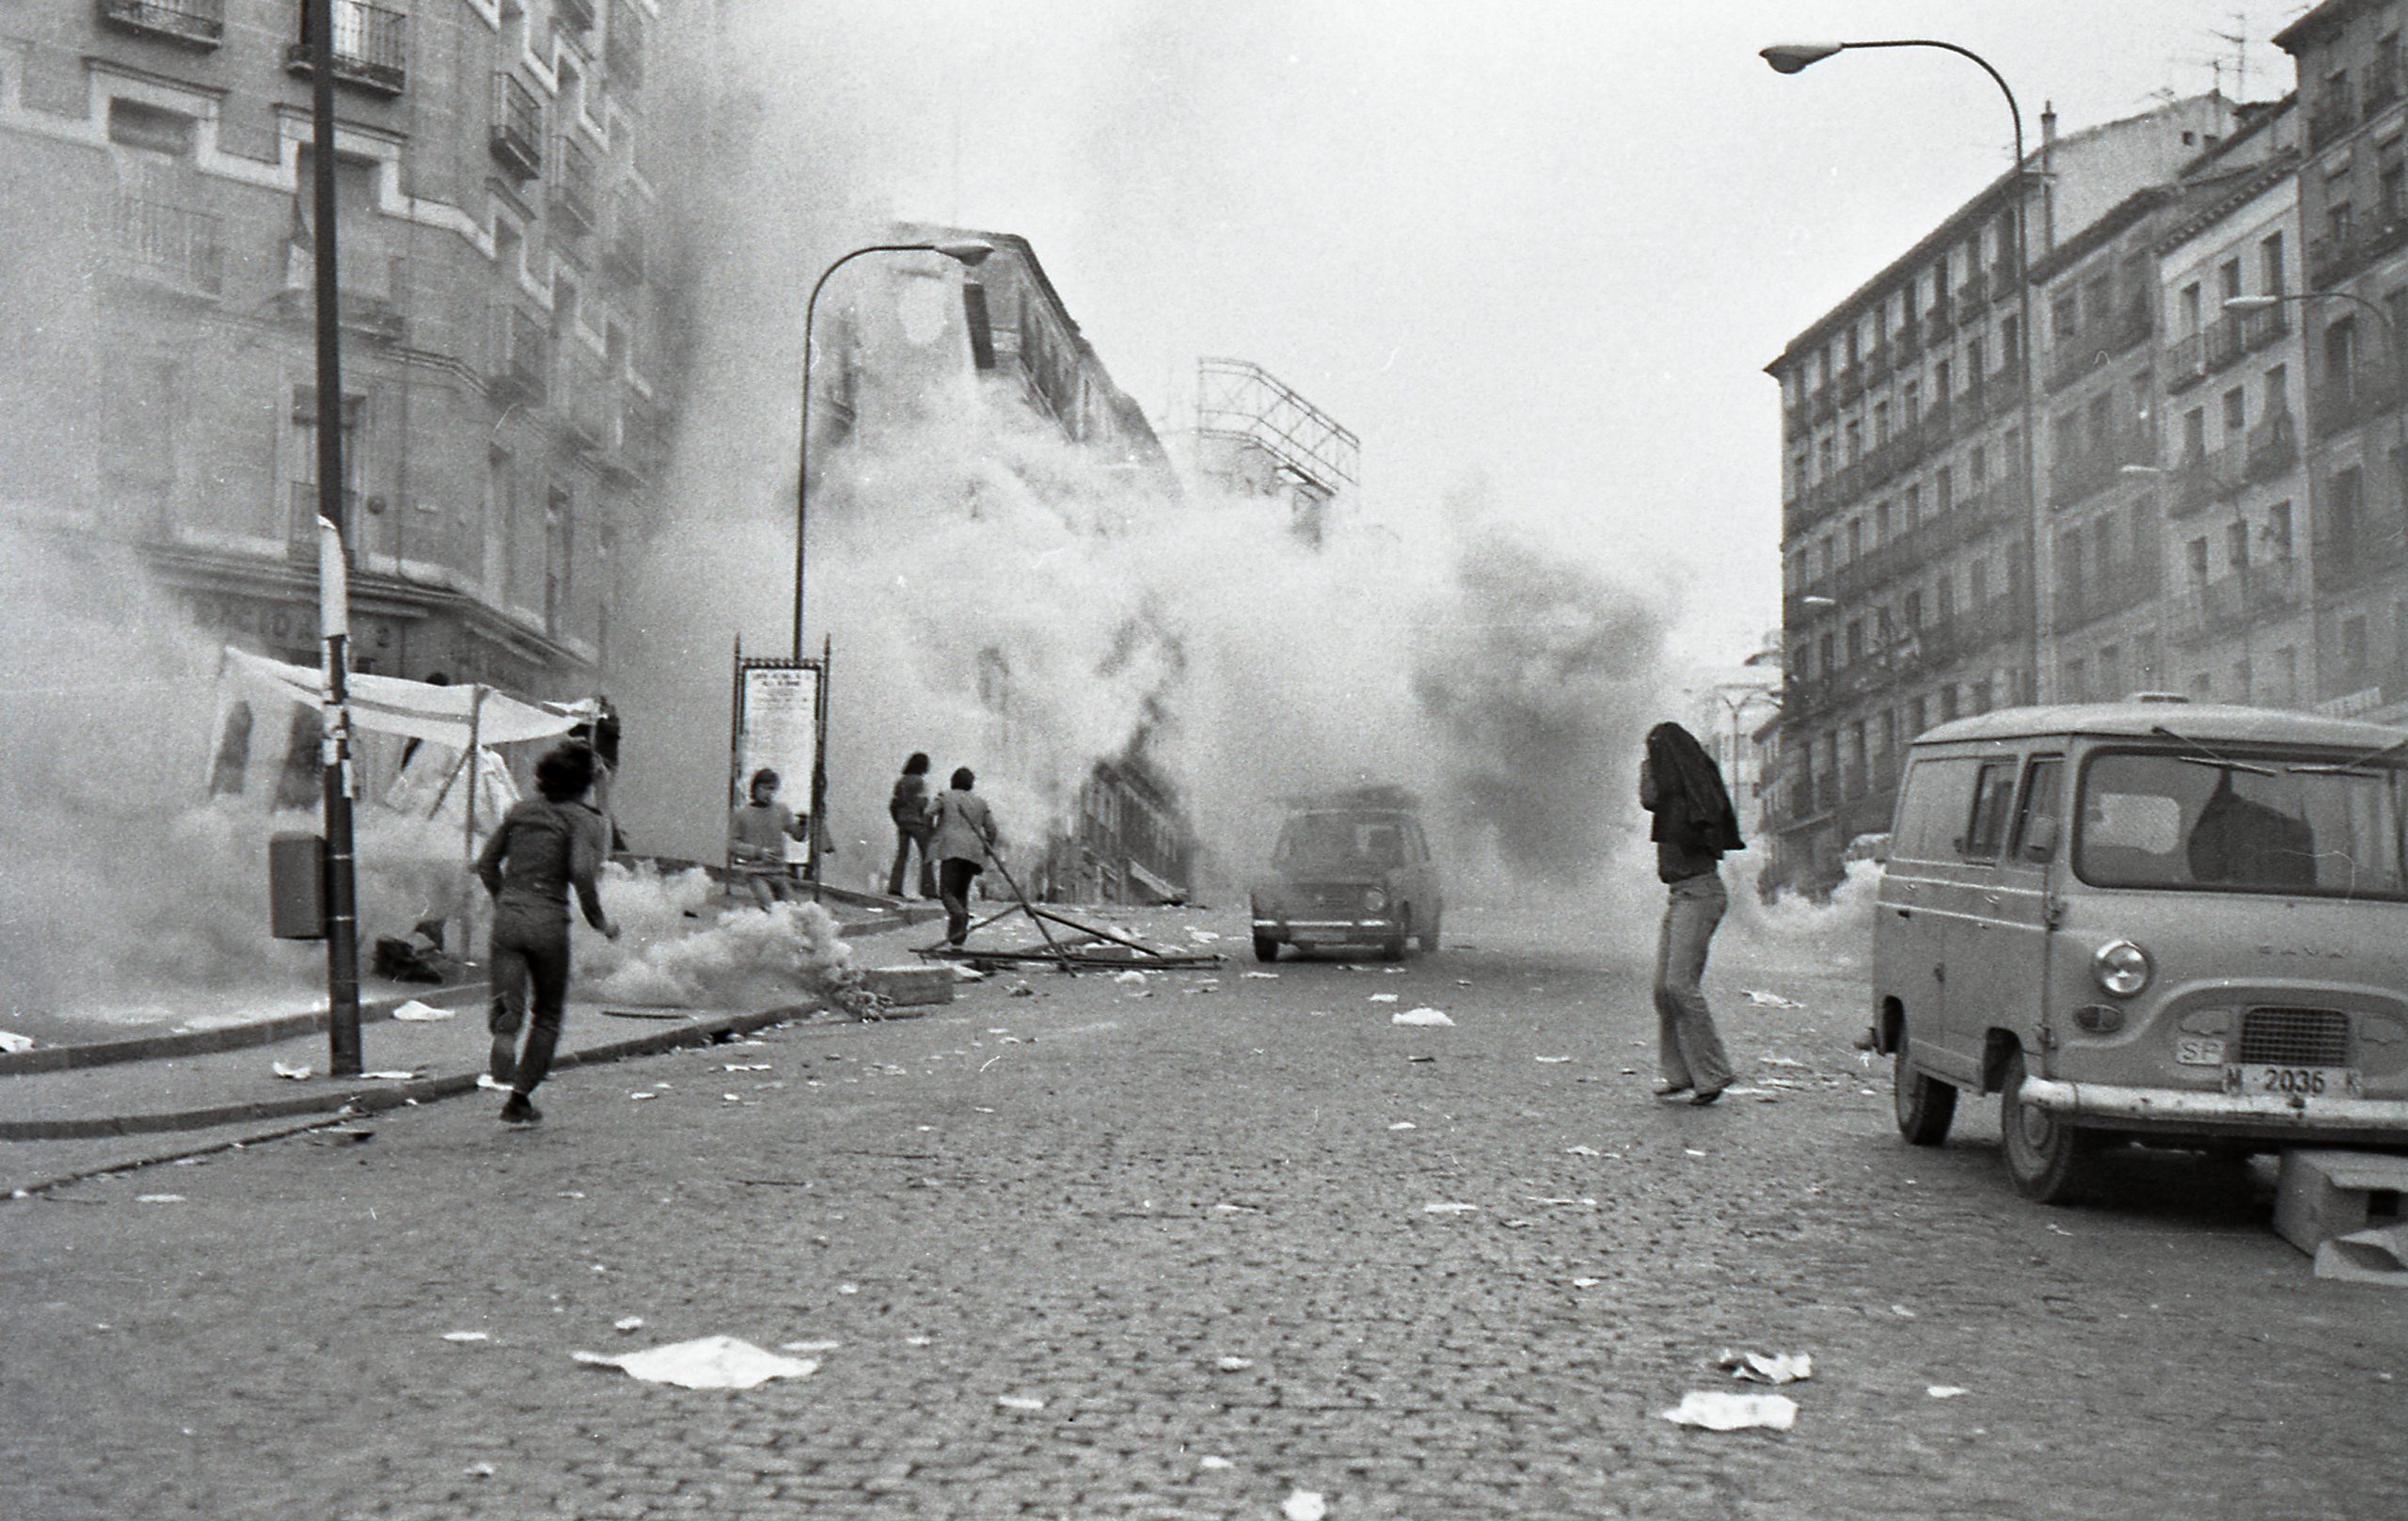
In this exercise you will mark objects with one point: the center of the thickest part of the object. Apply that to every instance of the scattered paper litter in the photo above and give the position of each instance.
(1236, 1364)
(1305, 1505)
(1761, 1367)
(644, 1095)
(1691, 1150)
(1732, 1412)
(1447, 1209)
(1214, 1463)
(414, 1011)
(1945, 1391)
(1383, 998)
(466, 1335)
(964, 971)
(1201, 934)
(711, 1362)
(1758, 996)
(159, 1198)
(747, 1066)
(289, 1070)
(11, 1042)
(1581, 1151)
(1420, 1016)
(1266, 976)
(1586, 1283)
(632, 1323)
(1551, 1060)
(485, 1081)
(1902, 1312)
(393, 1077)
(1771, 1060)
(1405, 1125)
(1130, 978)
(1019, 1402)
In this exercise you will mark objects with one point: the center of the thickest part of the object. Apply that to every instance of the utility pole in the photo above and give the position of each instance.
(334, 615)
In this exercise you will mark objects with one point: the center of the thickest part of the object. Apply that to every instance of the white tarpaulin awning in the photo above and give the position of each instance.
(389, 705)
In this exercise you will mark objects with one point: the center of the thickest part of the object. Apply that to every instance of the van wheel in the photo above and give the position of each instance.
(1392, 949)
(1266, 948)
(2050, 1160)
(1924, 1104)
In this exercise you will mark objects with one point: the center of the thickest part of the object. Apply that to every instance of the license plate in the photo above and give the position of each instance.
(2262, 1080)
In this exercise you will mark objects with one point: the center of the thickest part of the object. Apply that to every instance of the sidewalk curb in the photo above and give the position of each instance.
(340, 1101)
(287, 1026)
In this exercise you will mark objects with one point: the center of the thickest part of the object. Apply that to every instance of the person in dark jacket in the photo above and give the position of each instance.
(1694, 825)
(909, 808)
(546, 848)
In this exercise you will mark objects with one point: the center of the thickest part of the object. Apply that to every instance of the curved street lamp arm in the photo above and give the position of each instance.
(802, 453)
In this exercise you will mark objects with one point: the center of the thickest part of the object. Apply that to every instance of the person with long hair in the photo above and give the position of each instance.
(909, 809)
(547, 847)
(1694, 825)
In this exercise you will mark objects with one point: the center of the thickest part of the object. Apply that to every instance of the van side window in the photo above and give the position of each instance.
(1993, 797)
(1932, 811)
(2044, 788)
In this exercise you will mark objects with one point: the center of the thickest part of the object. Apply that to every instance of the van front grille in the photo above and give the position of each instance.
(2295, 1037)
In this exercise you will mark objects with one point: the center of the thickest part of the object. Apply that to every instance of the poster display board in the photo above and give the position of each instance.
(781, 723)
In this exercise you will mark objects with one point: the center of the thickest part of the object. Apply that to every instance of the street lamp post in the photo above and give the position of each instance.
(1789, 58)
(967, 252)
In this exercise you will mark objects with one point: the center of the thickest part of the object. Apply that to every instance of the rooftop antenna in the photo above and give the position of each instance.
(2238, 37)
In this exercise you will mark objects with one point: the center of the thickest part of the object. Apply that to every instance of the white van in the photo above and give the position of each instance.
(2153, 920)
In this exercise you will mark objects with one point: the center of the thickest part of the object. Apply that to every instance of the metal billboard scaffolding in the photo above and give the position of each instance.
(1245, 407)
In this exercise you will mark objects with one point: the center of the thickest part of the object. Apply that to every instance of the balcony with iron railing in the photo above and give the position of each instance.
(2272, 446)
(575, 181)
(173, 246)
(2364, 546)
(2098, 464)
(364, 282)
(586, 405)
(196, 23)
(2118, 586)
(371, 46)
(2333, 111)
(624, 255)
(2348, 399)
(517, 136)
(2335, 257)
(1972, 297)
(2207, 610)
(518, 372)
(2261, 328)
(2380, 78)
(2197, 480)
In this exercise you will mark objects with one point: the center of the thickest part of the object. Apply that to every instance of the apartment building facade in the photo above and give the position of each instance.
(1908, 517)
(505, 407)
(2354, 211)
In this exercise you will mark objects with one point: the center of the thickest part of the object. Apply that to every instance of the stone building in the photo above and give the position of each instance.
(1907, 522)
(2352, 191)
(506, 398)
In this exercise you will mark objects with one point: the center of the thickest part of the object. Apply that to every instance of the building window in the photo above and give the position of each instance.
(2236, 412)
(2186, 312)
(2270, 266)
(2278, 530)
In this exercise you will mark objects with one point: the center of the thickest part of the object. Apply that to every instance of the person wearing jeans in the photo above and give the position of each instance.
(909, 809)
(545, 848)
(1694, 825)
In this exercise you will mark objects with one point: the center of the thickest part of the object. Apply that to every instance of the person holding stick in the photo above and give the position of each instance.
(965, 835)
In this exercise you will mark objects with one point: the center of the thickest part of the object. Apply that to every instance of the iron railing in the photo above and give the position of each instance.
(371, 46)
(199, 21)
(174, 246)
(517, 126)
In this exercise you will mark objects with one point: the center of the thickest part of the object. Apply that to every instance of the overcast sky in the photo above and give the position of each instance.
(1543, 247)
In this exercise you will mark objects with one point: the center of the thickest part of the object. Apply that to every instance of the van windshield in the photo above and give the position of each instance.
(2158, 818)
(1351, 840)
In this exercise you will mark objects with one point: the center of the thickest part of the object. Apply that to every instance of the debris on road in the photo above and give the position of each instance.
(297, 1072)
(466, 1335)
(1765, 1000)
(1405, 1125)
(159, 1198)
(1019, 1402)
(396, 1075)
(642, 1095)
(1581, 1151)
(1586, 1283)
(485, 1081)
(1902, 1312)
(1551, 1061)
(1447, 1209)
(1383, 998)
(1265, 976)
(711, 1362)
(1732, 1412)
(1945, 1391)
(11, 1043)
(1236, 1364)
(1762, 1367)
(1305, 1505)
(633, 1322)
(414, 1011)
(1214, 1463)
(1421, 1016)
(1130, 978)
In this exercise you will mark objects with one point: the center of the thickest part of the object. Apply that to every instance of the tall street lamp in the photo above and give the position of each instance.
(967, 252)
(1789, 58)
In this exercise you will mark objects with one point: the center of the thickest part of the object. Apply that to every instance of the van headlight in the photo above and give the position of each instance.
(2121, 967)
(1374, 900)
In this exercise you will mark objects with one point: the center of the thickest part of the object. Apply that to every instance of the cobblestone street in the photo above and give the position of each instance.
(1198, 1225)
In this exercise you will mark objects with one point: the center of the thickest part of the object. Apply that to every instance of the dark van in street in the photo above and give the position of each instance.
(1350, 868)
(2150, 921)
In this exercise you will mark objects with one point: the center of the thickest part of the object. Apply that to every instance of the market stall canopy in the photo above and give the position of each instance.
(421, 710)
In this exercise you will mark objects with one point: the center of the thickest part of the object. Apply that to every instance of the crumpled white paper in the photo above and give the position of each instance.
(1765, 1000)
(1130, 978)
(298, 1072)
(1762, 1367)
(1420, 1016)
(1305, 1505)
(1732, 1412)
(11, 1041)
(415, 1010)
(711, 1362)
